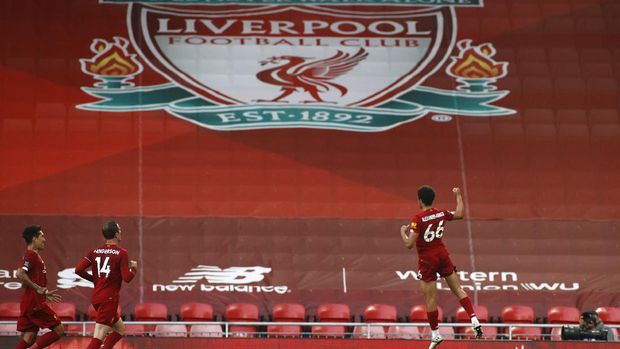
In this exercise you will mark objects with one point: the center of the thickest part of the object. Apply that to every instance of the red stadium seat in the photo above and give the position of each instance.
(170, 330)
(596, 55)
(135, 330)
(242, 312)
(482, 313)
(532, 54)
(563, 315)
(418, 313)
(566, 69)
(447, 332)
(213, 331)
(488, 332)
(151, 312)
(403, 332)
(597, 69)
(328, 331)
(602, 92)
(572, 116)
(563, 54)
(371, 332)
(603, 116)
(499, 24)
(65, 311)
(9, 311)
(609, 315)
(287, 312)
(380, 313)
(284, 331)
(332, 313)
(570, 92)
(560, 26)
(526, 333)
(539, 116)
(536, 69)
(518, 314)
(196, 312)
(537, 91)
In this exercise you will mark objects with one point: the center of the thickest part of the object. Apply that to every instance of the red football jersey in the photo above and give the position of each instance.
(110, 267)
(430, 225)
(35, 269)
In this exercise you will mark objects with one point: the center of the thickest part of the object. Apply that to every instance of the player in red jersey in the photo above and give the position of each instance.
(35, 313)
(110, 267)
(425, 232)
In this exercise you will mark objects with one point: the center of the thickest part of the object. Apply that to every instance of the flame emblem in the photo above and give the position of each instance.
(475, 67)
(112, 63)
(476, 62)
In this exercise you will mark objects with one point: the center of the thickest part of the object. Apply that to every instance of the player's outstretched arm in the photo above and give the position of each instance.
(408, 239)
(25, 279)
(460, 207)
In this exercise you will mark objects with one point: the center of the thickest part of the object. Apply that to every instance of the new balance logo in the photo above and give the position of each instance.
(231, 279)
(217, 275)
(67, 278)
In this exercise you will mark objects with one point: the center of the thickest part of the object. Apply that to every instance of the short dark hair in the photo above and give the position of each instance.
(110, 229)
(426, 194)
(30, 233)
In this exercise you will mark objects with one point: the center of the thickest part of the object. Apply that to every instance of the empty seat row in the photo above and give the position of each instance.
(291, 312)
(332, 313)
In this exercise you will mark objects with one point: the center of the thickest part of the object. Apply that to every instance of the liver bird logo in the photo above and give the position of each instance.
(305, 74)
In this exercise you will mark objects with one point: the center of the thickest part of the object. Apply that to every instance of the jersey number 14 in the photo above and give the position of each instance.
(430, 234)
(103, 268)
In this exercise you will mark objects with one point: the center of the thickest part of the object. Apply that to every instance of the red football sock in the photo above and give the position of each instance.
(45, 340)
(111, 339)
(95, 343)
(433, 319)
(466, 304)
(21, 345)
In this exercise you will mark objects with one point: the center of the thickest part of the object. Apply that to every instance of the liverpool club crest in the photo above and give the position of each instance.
(357, 68)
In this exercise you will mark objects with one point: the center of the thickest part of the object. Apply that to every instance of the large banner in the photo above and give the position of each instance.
(268, 151)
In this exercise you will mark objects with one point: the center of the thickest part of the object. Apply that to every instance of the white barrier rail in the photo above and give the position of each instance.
(226, 333)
